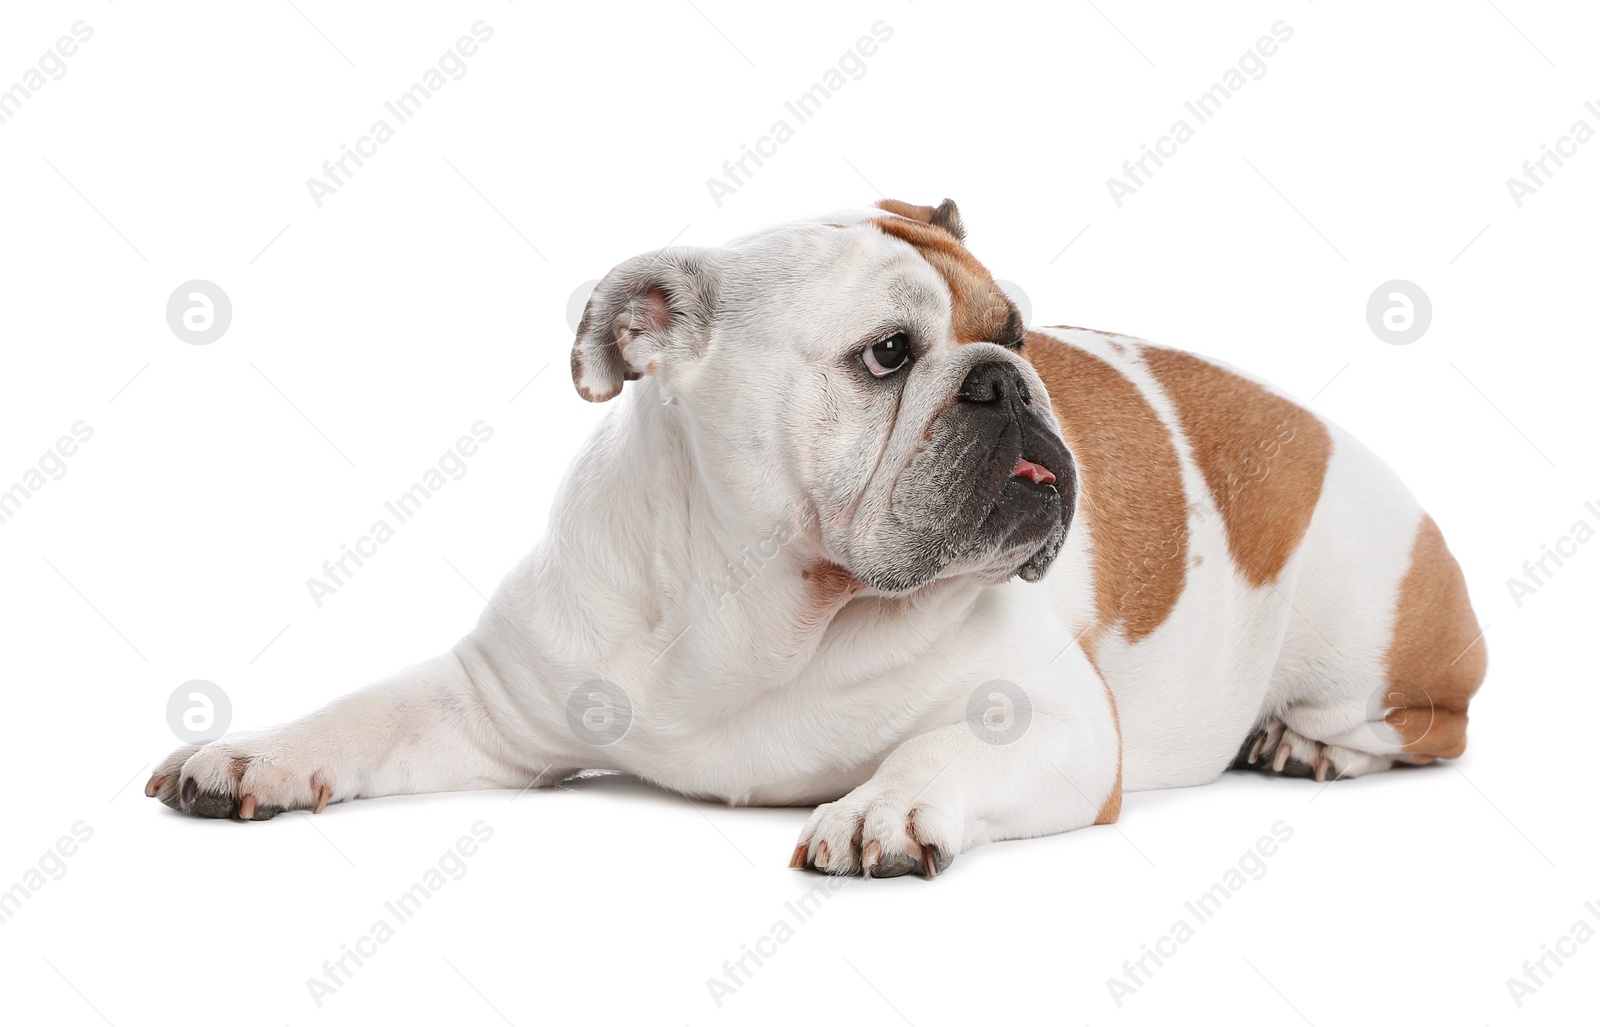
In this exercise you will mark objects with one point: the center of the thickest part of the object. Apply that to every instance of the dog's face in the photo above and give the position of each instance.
(857, 377)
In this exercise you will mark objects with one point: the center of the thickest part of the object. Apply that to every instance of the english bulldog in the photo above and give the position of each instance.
(855, 537)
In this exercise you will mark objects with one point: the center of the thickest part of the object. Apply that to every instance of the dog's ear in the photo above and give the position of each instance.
(647, 310)
(943, 216)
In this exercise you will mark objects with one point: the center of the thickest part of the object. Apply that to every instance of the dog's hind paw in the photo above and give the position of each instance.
(1274, 748)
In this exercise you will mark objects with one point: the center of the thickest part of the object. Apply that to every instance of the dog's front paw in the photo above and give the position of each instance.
(878, 835)
(245, 777)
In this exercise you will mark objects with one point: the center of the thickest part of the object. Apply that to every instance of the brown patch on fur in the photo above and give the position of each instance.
(1131, 487)
(979, 310)
(943, 216)
(1262, 456)
(237, 766)
(1113, 806)
(827, 585)
(1110, 337)
(1436, 659)
(1112, 809)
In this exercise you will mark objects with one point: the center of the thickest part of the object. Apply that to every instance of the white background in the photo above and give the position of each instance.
(431, 291)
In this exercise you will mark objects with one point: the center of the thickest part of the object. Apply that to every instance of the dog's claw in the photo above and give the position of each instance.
(1312, 758)
(323, 794)
(153, 785)
(247, 807)
(890, 850)
(191, 788)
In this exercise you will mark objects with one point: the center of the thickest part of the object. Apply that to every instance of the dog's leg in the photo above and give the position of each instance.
(1390, 686)
(1027, 760)
(425, 729)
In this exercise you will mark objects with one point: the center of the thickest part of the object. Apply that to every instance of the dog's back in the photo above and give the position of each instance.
(1263, 586)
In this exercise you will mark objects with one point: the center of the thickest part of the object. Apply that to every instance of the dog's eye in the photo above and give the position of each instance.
(886, 357)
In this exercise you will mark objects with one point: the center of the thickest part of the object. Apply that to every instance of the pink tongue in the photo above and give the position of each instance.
(1033, 472)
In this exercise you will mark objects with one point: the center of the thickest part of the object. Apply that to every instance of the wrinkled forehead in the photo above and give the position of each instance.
(864, 257)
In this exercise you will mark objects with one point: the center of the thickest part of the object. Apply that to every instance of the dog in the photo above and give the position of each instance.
(855, 537)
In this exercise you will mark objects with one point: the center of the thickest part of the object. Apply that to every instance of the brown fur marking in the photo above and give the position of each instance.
(943, 216)
(827, 585)
(979, 310)
(1262, 456)
(1436, 659)
(1131, 486)
(1111, 809)
(1113, 805)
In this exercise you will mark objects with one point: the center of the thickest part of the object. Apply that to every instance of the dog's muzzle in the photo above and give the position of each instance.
(990, 491)
(1030, 475)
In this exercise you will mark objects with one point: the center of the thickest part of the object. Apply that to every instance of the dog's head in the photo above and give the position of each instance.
(856, 376)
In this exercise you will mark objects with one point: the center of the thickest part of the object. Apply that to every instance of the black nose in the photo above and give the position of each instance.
(994, 381)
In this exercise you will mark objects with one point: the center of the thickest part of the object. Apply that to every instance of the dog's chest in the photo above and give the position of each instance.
(748, 740)
(752, 742)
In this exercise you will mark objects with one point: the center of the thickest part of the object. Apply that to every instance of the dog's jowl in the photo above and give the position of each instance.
(853, 535)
